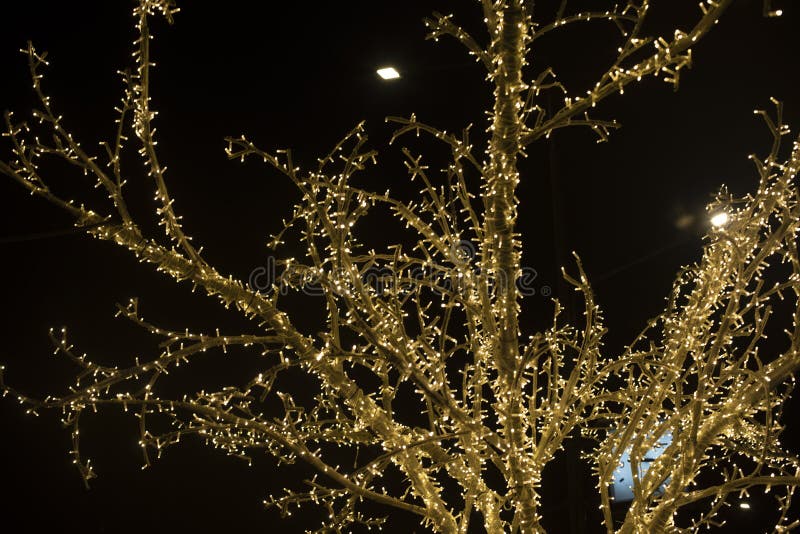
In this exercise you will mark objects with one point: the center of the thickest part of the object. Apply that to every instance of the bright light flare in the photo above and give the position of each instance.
(388, 73)
(744, 505)
(719, 219)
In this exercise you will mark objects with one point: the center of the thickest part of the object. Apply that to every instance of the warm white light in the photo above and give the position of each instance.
(719, 219)
(744, 505)
(388, 73)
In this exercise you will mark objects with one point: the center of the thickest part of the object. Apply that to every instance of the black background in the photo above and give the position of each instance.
(300, 75)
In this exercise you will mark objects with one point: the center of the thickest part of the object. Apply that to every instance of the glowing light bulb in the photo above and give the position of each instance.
(719, 219)
(744, 505)
(388, 73)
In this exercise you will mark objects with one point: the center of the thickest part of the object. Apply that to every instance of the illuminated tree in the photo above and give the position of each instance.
(436, 323)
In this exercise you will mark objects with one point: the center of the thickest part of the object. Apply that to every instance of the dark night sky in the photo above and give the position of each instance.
(300, 75)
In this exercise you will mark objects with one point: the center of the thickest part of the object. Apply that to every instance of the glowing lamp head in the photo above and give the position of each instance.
(388, 73)
(720, 219)
(744, 505)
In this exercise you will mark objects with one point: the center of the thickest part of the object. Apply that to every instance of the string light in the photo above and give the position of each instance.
(698, 373)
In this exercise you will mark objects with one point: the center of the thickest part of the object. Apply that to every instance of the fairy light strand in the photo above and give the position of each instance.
(699, 371)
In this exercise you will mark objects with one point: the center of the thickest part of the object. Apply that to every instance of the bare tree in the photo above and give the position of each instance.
(697, 373)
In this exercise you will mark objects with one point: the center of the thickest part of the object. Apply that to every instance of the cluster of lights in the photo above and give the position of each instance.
(513, 404)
